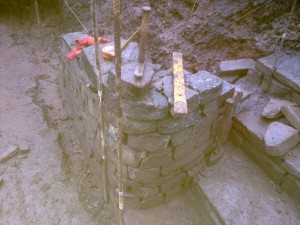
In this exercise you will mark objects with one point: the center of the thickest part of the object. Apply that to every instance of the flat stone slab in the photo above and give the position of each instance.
(291, 162)
(287, 69)
(273, 108)
(206, 84)
(280, 138)
(152, 106)
(8, 153)
(293, 115)
(238, 67)
(241, 193)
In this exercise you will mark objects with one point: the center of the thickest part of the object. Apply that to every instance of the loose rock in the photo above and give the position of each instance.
(273, 108)
(280, 138)
(8, 153)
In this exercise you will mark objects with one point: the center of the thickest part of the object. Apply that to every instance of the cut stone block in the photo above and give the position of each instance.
(158, 159)
(185, 148)
(280, 138)
(130, 156)
(133, 88)
(293, 115)
(8, 153)
(236, 67)
(152, 142)
(291, 163)
(192, 97)
(152, 201)
(152, 106)
(173, 125)
(273, 108)
(143, 175)
(138, 127)
(206, 84)
(181, 136)
(177, 181)
(287, 69)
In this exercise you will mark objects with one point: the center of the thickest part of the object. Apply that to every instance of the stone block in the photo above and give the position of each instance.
(293, 115)
(185, 148)
(231, 78)
(182, 135)
(265, 162)
(8, 153)
(152, 106)
(151, 201)
(130, 156)
(206, 84)
(133, 88)
(254, 77)
(132, 202)
(144, 192)
(145, 176)
(192, 97)
(280, 138)
(177, 181)
(292, 186)
(287, 69)
(203, 126)
(291, 163)
(154, 160)
(151, 142)
(190, 160)
(273, 108)
(172, 125)
(252, 126)
(238, 67)
(275, 87)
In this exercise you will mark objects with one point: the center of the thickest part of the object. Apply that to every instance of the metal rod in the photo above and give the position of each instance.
(99, 87)
(117, 42)
(37, 12)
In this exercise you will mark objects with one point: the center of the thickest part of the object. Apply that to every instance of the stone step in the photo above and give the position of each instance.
(242, 194)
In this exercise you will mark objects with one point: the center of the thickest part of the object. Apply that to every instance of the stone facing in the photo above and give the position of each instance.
(158, 149)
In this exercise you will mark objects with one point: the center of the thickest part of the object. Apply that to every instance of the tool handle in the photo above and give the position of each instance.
(144, 34)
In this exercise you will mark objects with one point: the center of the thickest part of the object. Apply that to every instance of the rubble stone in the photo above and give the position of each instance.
(8, 153)
(273, 108)
(152, 142)
(152, 106)
(280, 138)
(293, 115)
(143, 175)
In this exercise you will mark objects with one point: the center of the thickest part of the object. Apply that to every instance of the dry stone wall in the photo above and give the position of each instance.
(158, 149)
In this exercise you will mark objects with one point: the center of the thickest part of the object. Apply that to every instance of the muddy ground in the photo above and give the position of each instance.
(51, 184)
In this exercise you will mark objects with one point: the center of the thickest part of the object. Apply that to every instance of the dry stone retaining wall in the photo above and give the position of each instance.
(158, 149)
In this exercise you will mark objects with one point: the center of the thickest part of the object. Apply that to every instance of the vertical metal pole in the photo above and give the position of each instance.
(37, 12)
(99, 87)
(117, 43)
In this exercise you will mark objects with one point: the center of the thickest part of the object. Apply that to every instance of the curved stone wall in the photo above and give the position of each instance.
(158, 149)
